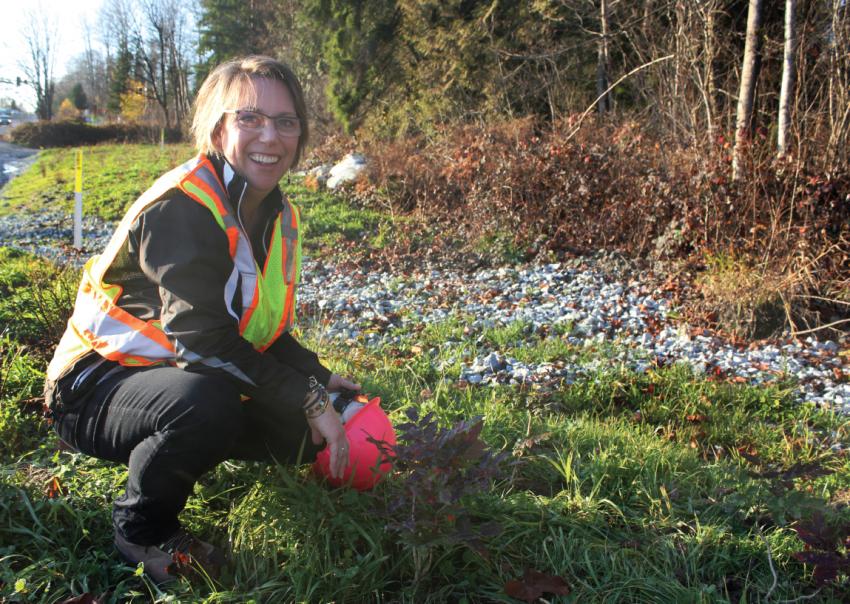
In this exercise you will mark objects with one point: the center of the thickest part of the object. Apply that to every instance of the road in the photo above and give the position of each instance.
(13, 159)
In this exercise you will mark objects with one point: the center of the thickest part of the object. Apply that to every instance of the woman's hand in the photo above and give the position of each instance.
(337, 383)
(328, 427)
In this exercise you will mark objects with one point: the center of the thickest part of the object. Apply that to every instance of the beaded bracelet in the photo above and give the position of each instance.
(317, 399)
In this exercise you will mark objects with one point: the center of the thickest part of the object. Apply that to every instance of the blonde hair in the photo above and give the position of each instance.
(227, 84)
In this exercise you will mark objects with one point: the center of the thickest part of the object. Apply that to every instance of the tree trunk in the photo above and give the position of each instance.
(602, 84)
(748, 87)
(710, 52)
(789, 63)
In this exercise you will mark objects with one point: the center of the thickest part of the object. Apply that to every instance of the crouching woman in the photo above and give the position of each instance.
(178, 354)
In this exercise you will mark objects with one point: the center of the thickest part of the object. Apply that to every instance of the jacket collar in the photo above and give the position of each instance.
(234, 183)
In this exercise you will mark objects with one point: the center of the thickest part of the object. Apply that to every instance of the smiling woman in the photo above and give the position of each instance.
(178, 355)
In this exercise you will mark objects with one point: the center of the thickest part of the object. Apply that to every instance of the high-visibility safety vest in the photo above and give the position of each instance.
(267, 306)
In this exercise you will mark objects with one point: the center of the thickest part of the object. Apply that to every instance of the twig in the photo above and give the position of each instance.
(772, 569)
(821, 298)
(813, 329)
(609, 89)
(801, 598)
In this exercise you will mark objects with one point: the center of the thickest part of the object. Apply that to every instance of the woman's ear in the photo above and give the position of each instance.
(216, 138)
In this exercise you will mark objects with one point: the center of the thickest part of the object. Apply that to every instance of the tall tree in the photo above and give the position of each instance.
(162, 55)
(232, 28)
(117, 26)
(789, 61)
(119, 81)
(40, 35)
(602, 62)
(357, 52)
(92, 71)
(747, 89)
(78, 97)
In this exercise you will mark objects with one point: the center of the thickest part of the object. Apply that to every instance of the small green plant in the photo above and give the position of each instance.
(36, 297)
(440, 469)
(745, 299)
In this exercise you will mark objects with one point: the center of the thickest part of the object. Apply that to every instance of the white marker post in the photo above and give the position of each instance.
(78, 203)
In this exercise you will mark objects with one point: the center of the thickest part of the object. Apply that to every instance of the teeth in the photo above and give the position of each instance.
(264, 159)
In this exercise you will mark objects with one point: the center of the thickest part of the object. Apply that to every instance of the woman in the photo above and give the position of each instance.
(178, 355)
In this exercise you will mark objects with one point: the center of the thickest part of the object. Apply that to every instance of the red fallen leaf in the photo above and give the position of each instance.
(528, 443)
(54, 488)
(750, 454)
(181, 565)
(534, 584)
(827, 565)
(696, 418)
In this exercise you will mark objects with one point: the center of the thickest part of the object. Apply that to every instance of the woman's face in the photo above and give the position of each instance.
(261, 156)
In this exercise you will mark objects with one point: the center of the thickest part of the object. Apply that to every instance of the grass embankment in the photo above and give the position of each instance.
(114, 176)
(655, 487)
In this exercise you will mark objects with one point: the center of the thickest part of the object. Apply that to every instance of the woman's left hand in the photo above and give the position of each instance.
(328, 427)
(337, 383)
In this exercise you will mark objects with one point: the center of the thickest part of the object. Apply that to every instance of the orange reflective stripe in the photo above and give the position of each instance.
(107, 351)
(232, 240)
(294, 212)
(205, 189)
(145, 328)
(246, 317)
(204, 170)
(285, 323)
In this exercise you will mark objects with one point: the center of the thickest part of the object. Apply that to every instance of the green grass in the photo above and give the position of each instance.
(113, 177)
(661, 486)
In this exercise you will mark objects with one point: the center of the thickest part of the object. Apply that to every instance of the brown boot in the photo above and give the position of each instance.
(180, 554)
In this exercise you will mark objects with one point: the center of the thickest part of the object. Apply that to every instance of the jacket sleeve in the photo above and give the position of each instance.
(184, 253)
(289, 351)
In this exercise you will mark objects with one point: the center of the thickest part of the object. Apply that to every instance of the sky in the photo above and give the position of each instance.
(68, 14)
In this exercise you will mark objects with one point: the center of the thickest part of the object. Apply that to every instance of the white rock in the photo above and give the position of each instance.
(346, 170)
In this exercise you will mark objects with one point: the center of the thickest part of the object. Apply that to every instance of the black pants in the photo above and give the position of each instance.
(170, 427)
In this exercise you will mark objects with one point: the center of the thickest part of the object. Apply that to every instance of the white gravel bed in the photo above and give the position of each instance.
(593, 310)
(578, 302)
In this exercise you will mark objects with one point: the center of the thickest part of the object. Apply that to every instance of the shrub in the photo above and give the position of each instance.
(36, 298)
(43, 134)
(536, 189)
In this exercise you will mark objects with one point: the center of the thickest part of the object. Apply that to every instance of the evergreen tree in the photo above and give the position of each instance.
(232, 28)
(79, 98)
(120, 79)
(357, 52)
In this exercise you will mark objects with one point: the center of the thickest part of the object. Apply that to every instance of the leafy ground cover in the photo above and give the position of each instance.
(660, 486)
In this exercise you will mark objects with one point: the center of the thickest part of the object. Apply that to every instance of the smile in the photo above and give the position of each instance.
(261, 158)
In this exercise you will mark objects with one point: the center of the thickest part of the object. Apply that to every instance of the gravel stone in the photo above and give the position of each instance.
(585, 302)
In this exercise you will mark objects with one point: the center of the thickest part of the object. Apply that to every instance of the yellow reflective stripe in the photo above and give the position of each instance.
(198, 194)
(264, 323)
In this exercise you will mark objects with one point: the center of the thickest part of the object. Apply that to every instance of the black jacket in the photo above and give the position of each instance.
(174, 266)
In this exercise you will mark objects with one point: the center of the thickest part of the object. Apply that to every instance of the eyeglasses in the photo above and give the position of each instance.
(254, 121)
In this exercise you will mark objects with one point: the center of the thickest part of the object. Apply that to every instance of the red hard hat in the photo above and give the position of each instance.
(368, 463)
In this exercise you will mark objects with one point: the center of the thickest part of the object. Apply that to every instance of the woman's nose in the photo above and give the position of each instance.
(268, 131)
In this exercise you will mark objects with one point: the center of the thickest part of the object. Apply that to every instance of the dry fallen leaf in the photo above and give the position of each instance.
(534, 584)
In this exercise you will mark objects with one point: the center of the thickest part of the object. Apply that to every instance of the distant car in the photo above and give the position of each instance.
(5, 119)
